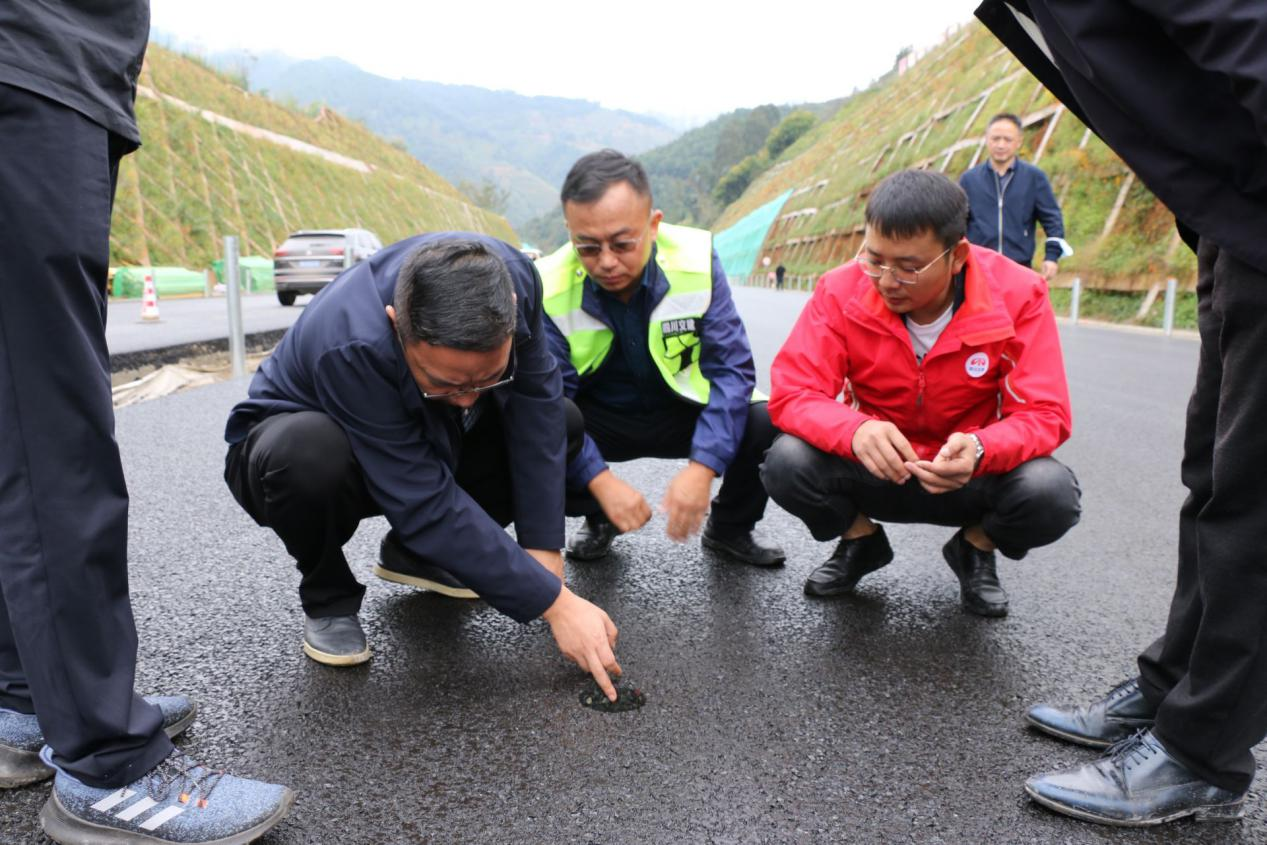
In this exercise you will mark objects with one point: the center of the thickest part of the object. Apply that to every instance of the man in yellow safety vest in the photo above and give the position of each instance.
(656, 363)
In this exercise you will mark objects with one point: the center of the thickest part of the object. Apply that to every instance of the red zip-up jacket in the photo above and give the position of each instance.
(996, 370)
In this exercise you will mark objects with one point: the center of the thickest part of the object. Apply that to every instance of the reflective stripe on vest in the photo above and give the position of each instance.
(685, 256)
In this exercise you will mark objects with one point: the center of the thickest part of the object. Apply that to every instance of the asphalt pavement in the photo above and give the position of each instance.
(889, 716)
(188, 321)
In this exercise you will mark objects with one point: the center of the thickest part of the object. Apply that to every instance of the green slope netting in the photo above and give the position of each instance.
(739, 245)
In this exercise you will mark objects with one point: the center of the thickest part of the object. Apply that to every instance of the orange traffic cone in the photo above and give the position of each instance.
(149, 301)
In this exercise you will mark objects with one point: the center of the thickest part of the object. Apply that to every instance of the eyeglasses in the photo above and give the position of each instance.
(507, 378)
(620, 247)
(902, 277)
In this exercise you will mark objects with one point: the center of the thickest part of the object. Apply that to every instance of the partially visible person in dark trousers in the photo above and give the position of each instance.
(656, 363)
(778, 277)
(1179, 91)
(1007, 196)
(68, 640)
(954, 399)
(419, 386)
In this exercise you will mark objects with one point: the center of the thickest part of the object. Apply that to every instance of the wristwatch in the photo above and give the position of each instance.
(980, 450)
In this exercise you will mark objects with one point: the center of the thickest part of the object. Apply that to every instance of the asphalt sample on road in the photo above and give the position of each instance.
(887, 716)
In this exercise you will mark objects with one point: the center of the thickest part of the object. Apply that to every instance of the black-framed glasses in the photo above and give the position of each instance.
(507, 377)
(902, 277)
(624, 246)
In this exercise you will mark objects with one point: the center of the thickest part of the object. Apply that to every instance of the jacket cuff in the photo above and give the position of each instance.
(708, 459)
(539, 593)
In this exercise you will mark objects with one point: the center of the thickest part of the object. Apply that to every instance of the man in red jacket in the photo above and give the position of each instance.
(954, 399)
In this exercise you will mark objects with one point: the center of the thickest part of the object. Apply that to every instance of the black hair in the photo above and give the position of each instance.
(911, 202)
(594, 173)
(1008, 116)
(455, 293)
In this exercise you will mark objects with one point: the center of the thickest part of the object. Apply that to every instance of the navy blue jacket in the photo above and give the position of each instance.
(1177, 88)
(1008, 227)
(342, 358)
(725, 360)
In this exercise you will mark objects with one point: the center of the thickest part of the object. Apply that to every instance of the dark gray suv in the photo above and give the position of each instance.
(309, 260)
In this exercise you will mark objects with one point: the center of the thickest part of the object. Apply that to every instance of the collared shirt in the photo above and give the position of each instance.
(631, 381)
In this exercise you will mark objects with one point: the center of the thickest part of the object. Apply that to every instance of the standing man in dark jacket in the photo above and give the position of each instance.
(655, 363)
(1005, 198)
(418, 385)
(68, 640)
(1179, 91)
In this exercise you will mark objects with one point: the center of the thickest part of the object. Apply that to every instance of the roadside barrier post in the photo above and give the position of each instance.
(1075, 294)
(237, 342)
(1168, 321)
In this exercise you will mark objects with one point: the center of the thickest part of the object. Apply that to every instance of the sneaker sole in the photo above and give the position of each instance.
(424, 584)
(23, 768)
(571, 555)
(722, 548)
(336, 659)
(1211, 813)
(67, 829)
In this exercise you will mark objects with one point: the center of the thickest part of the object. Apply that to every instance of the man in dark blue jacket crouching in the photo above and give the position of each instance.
(418, 385)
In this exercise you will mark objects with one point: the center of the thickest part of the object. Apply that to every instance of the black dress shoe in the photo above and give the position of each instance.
(741, 546)
(1135, 784)
(401, 566)
(593, 539)
(979, 589)
(1098, 724)
(846, 566)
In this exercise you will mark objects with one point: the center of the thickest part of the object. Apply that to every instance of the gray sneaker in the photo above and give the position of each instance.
(335, 640)
(179, 801)
(21, 739)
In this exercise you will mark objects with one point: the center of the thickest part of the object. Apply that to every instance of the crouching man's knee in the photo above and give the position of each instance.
(1037, 504)
(789, 471)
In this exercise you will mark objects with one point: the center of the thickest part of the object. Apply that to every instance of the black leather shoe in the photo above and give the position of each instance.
(401, 566)
(1135, 784)
(741, 546)
(846, 566)
(593, 539)
(335, 640)
(1102, 722)
(979, 589)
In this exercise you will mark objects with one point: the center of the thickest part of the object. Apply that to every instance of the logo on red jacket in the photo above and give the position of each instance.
(977, 365)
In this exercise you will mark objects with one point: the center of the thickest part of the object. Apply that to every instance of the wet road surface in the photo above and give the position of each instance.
(889, 716)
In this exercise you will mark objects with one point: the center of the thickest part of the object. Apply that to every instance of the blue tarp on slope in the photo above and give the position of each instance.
(739, 245)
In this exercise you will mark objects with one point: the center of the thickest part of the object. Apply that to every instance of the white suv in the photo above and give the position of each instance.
(309, 260)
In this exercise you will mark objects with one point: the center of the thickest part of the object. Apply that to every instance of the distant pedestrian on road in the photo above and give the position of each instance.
(1179, 91)
(68, 640)
(778, 277)
(1006, 196)
(419, 385)
(656, 363)
(954, 399)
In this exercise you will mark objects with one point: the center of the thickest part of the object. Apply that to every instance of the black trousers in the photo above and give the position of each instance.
(295, 473)
(623, 436)
(1208, 673)
(1031, 506)
(67, 636)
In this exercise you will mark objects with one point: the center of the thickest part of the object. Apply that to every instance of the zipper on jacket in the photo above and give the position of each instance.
(919, 397)
(999, 188)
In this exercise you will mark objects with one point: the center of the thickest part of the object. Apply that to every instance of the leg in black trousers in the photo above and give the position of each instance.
(295, 473)
(622, 436)
(67, 636)
(1208, 674)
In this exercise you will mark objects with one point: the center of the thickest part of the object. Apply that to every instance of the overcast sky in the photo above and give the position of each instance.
(686, 59)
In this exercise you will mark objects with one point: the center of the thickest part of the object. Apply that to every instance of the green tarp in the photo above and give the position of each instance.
(129, 282)
(738, 245)
(254, 271)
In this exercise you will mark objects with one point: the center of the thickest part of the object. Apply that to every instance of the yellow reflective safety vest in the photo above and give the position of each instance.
(685, 256)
